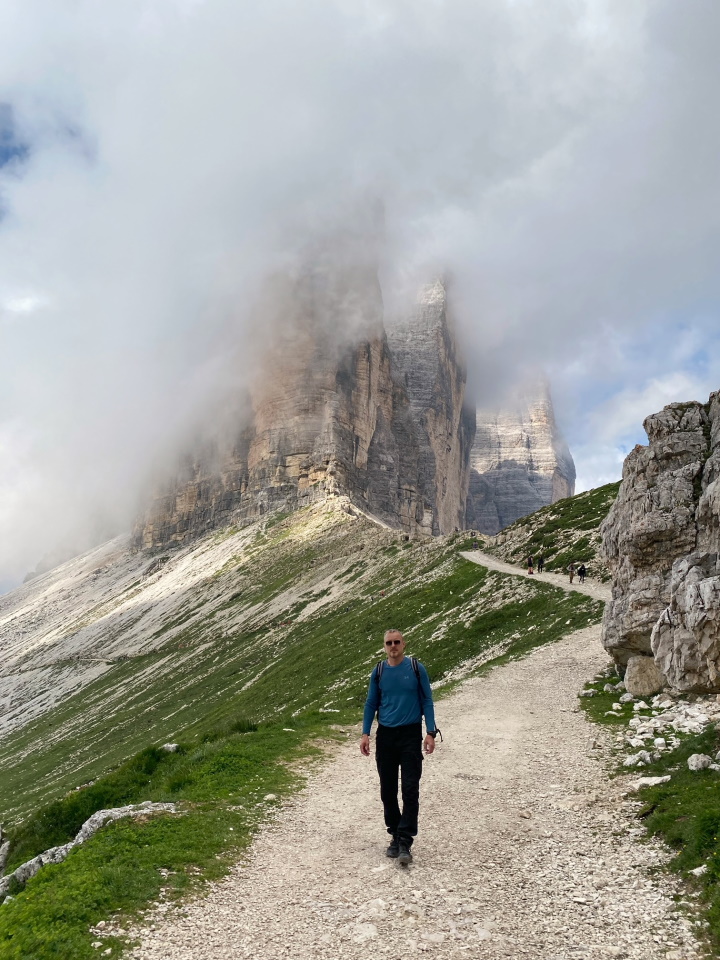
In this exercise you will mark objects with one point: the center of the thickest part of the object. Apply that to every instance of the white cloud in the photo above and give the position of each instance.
(558, 159)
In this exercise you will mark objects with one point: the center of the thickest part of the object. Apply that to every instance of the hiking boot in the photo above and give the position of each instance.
(404, 856)
(393, 850)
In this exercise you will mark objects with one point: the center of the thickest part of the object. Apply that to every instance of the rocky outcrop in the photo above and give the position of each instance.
(518, 463)
(101, 818)
(334, 411)
(662, 541)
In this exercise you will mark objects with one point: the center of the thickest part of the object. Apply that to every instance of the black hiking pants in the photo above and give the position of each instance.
(399, 749)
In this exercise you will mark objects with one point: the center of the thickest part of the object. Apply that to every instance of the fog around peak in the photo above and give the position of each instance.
(159, 159)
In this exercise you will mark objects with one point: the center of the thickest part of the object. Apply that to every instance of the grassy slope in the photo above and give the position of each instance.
(566, 530)
(325, 585)
(685, 812)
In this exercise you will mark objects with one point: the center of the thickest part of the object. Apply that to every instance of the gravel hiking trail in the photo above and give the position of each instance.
(526, 849)
(592, 588)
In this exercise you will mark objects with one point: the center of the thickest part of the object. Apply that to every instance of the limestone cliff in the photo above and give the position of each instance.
(518, 463)
(425, 353)
(333, 412)
(662, 541)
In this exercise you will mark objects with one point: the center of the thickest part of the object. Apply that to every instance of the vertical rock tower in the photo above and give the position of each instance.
(425, 354)
(519, 462)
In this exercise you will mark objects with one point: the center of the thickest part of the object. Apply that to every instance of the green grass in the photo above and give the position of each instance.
(198, 688)
(684, 812)
(219, 786)
(564, 531)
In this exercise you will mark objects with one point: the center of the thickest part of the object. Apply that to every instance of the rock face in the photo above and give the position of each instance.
(662, 541)
(518, 464)
(338, 413)
(425, 352)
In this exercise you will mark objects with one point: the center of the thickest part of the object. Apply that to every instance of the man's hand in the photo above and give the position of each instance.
(365, 744)
(429, 743)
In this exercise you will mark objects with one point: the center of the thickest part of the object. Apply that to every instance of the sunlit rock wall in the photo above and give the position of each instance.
(519, 462)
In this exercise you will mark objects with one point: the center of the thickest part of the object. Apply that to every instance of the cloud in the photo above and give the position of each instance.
(557, 159)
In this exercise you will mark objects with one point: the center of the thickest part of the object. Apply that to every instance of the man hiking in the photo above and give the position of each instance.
(400, 693)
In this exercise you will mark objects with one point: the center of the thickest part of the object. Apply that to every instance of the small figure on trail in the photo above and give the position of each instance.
(475, 545)
(530, 565)
(571, 570)
(582, 572)
(541, 563)
(400, 693)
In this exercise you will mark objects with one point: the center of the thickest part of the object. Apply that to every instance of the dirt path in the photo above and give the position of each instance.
(525, 848)
(592, 588)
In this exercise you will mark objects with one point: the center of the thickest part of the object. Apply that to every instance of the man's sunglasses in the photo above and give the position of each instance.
(392, 643)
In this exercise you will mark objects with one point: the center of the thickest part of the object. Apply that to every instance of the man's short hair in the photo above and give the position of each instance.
(392, 630)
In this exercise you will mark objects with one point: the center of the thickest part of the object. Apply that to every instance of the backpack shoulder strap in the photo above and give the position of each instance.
(416, 670)
(377, 674)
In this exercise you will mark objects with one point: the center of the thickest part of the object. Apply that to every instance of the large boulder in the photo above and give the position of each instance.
(652, 524)
(642, 677)
(662, 543)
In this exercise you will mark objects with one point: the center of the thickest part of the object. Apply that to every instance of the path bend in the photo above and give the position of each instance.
(592, 588)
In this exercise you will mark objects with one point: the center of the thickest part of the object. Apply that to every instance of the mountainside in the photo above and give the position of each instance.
(337, 413)
(662, 543)
(245, 647)
(343, 406)
(518, 463)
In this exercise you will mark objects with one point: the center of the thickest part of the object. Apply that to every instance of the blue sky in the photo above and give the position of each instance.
(159, 159)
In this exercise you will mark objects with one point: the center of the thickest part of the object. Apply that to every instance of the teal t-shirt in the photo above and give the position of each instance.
(399, 699)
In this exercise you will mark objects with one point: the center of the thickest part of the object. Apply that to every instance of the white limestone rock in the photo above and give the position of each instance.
(651, 524)
(642, 677)
(686, 637)
(699, 761)
(662, 543)
(27, 870)
(648, 782)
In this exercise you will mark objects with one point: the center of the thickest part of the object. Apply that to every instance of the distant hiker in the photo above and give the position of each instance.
(475, 545)
(530, 565)
(400, 693)
(571, 570)
(582, 572)
(541, 563)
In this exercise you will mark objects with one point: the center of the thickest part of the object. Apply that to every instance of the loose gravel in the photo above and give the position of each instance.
(526, 849)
